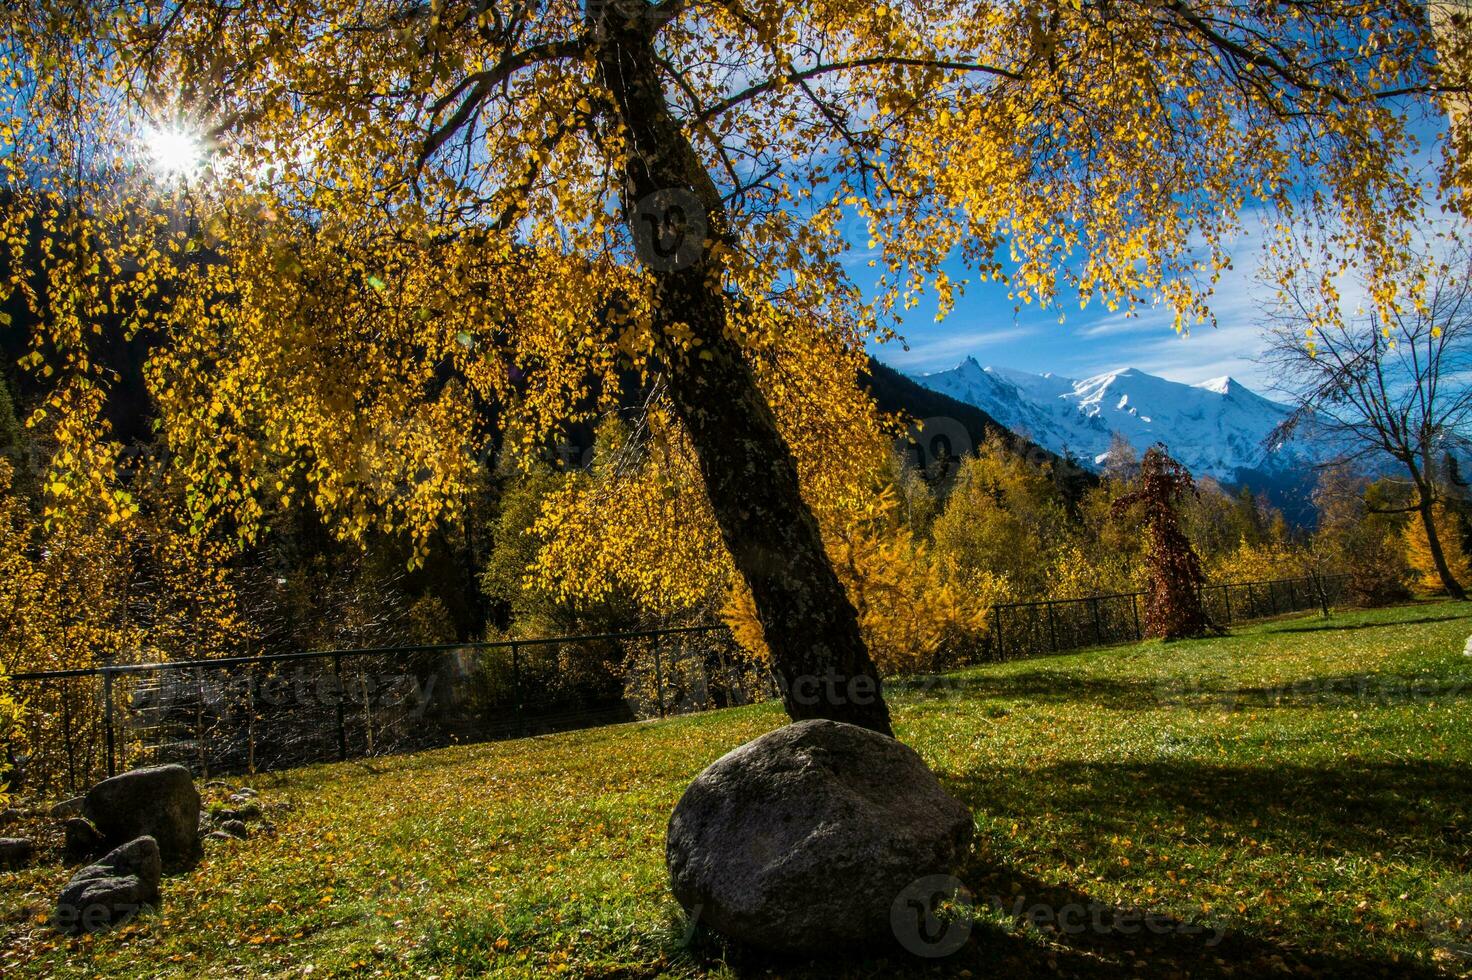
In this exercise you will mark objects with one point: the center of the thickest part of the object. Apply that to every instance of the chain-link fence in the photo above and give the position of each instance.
(275, 711)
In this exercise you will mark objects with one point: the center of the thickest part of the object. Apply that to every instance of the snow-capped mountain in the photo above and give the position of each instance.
(1217, 428)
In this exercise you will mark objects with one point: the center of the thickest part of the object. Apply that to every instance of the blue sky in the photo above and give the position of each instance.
(984, 325)
(1093, 340)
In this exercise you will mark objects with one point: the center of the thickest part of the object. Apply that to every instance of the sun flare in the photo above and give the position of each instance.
(174, 151)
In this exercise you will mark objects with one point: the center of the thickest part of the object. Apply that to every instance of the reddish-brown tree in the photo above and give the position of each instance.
(1173, 606)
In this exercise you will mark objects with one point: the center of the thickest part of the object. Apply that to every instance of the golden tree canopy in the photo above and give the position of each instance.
(406, 224)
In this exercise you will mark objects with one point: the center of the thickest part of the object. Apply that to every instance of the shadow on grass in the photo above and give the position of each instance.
(1015, 932)
(1415, 808)
(1024, 926)
(1332, 627)
(1346, 691)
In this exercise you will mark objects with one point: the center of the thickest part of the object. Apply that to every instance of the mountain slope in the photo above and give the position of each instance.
(1218, 428)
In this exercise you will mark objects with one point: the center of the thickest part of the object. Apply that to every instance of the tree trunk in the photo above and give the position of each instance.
(1433, 544)
(750, 476)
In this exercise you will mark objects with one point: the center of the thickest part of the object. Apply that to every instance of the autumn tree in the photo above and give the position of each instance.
(1385, 386)
(1428, 562)
(418, 220)
(1173, 605)
(1003, 517)
(1355, 537)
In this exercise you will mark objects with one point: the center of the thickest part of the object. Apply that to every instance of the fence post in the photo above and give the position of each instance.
(1052, 627)
(1227, 598)
(1135, 611)
(1272, 599)
(1292, 596)
(1098, 629)
(342, 724)
(1251, 603)
(112, 759)
(1001, 649)
(516, 678)
(1323, 599)
(658, 677)
(725, 676)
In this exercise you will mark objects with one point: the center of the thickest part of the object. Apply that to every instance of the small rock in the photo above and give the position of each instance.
(159, 802)
(82, 839)
(243, 793)
(246, 804)
(235, 828)
(807, 837)
(12, 815)
(220, 835)
(250, 811)
(15, 852)
(111, 891)
(206, 822)
(218, 784)
(68, 808)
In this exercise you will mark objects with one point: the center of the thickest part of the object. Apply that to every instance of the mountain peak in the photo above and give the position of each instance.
(1216, 428)
(1222, 386)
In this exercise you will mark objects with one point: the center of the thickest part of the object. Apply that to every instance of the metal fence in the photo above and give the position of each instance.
(1024, 629)
(280, 710)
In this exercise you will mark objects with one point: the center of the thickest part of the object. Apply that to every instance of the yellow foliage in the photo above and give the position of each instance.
(1418, 550)
(1264, 562)
(402, 226)
(914, 616)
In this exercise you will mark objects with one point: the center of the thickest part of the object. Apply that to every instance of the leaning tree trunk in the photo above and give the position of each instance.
(750, 476)
(1433, 545)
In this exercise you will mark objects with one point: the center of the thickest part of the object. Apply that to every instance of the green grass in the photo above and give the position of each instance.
(1299, 791)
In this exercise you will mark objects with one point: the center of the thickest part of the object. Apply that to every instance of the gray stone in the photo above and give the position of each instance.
(160, 802)
(68, 808)
(245, 808)
(220, 835)
(804, 838)
(111, 891)
(15, 852)
(250, 811)
(235, 828)
(82, 839)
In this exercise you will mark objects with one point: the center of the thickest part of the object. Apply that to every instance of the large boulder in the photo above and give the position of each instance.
(804, 839)
(111, 891)
(160, 802)
(15, 852)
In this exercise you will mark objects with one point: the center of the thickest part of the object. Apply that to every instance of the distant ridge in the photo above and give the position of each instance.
(1218, 428)
(894, 393)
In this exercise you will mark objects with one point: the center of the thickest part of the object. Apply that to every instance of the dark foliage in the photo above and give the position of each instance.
(1173, 606)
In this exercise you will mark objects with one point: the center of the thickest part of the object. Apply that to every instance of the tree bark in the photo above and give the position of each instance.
(1433, 544)
(811, 629)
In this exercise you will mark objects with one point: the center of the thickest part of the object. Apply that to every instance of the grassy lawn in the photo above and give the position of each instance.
(1297, 797)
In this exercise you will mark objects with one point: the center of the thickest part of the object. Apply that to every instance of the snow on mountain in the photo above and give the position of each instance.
(1216, 428)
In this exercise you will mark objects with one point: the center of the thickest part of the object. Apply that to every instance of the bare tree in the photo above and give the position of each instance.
(1378, 384)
